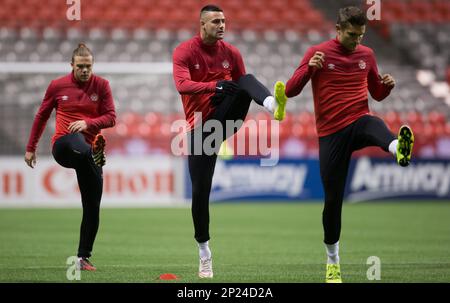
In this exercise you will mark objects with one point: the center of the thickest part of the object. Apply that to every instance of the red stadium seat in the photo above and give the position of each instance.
(414, 118)
(435, 117)
(392, 117)
(167, 14)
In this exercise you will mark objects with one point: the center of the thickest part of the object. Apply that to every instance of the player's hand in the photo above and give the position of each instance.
(30, 159)
(228, 88)
(388, 80)
(317, 60)
(77, 126)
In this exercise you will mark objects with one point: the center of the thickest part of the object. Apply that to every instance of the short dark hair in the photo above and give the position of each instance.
(351, 15)
(210, 8)
(82, 50)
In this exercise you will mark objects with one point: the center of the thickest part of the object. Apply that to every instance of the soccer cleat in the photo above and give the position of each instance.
(333, 274)
(404, 145)
(281, 99)
(85, 264)
(98, 150)
(225, 151)
(205, 268)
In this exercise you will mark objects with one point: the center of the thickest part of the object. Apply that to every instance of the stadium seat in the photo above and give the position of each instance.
(272, 46)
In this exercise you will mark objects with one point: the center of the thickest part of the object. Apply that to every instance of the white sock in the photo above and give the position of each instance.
(332, 253)
(393, 147)
(269, 103)
(204, 251)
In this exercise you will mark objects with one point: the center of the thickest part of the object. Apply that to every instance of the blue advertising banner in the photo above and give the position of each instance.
(247, 179)
(297, 180)
(373, 179)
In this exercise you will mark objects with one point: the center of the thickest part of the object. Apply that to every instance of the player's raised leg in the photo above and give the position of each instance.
(260, 94)
(373, 131)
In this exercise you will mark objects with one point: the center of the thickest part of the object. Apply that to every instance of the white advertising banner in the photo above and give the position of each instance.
(127, 182)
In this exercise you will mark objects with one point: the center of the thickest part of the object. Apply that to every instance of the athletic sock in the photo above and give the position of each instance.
(204, 251)
(269, 103)
(332, 253)
(393, 147)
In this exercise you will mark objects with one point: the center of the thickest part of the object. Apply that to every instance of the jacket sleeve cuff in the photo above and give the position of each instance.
(89, 123)
(212, 86)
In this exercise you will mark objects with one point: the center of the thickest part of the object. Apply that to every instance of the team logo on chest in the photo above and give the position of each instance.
(225, 64)
(197, 66)
(65, 98)
(94, 97)
(362, 64)
(331, 66)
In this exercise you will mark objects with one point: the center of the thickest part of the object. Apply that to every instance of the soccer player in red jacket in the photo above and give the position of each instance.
(341, 71)
(210, 76)
(84, 105)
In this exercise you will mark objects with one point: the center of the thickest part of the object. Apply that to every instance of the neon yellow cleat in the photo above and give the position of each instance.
(225, 151)
(333, 273)
(405, 145)
(281, 99)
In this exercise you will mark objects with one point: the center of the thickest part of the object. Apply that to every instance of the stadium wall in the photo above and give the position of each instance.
(128, 182)
(163, 181)
(298, 180)
(371, 179)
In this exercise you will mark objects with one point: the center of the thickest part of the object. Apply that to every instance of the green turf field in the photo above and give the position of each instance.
(264, 242)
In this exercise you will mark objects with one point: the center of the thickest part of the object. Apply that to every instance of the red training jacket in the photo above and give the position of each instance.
(91, 101)
(197, 67)
(340, 86)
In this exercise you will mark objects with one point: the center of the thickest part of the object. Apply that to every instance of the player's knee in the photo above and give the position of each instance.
(246, 78)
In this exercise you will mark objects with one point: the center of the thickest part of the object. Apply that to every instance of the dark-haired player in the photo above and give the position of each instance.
(210, 76)
(342, 71)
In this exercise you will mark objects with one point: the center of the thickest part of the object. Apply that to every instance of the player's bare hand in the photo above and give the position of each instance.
(77, 126)
(30, 159)
(317, 60)
(388, 80)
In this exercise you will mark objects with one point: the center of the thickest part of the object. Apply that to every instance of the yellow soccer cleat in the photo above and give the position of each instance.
(404, 145)
(281, 99)
(225, 151)
(333, 274)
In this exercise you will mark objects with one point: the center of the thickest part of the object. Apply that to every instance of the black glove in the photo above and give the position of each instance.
(228, 88)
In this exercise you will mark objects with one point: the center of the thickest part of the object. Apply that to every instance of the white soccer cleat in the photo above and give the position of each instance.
(205, 268)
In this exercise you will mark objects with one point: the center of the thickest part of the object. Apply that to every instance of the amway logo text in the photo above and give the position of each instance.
(379, 180)
(253, 180)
